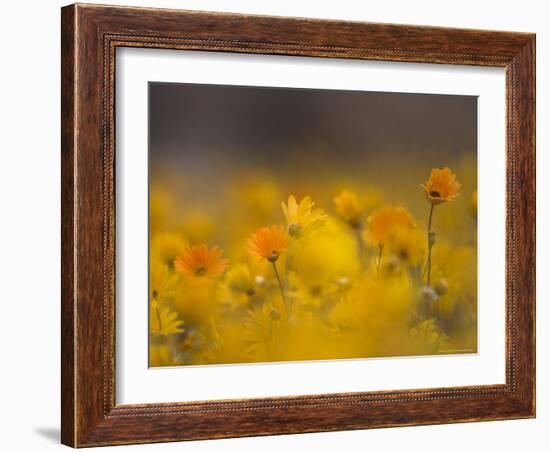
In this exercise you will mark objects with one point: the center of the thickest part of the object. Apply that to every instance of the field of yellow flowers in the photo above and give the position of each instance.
(328, 273)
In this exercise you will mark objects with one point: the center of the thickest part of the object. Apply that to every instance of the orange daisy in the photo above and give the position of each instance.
(268, 242)
(441, 186)
(385, 221)
(200, 262)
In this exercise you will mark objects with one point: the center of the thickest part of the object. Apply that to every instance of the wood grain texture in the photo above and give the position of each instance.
(90, 36)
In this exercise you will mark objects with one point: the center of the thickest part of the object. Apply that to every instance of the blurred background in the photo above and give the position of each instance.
(207, 139)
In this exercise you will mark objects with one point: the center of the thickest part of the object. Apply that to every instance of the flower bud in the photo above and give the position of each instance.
(441, 288)
(273, 257)
(427, 299)
(431, 238)
(343, 282)
(275, 314)
(428, 295)
(390, 266)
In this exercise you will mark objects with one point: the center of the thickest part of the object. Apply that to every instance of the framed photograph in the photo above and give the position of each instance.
(281, 225)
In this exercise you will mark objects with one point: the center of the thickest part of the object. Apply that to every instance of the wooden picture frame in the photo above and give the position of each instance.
(90, 36)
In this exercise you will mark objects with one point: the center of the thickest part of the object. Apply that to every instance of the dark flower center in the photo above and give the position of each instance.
(435, 194)
(295, 230)
(201, 271)
(316, 291)
(274, 256)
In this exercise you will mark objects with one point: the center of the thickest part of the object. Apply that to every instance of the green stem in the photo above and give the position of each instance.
(158, 318)
(360, 246)
(380, 249)
(281, 289)
(430, 244)
(293, 257)
(289, 264)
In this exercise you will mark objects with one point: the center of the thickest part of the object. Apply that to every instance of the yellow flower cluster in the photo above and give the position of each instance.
(357, 278)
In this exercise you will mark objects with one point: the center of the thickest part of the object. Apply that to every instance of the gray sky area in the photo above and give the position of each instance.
(206, 132)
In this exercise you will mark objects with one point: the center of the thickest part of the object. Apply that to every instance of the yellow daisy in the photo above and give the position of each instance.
(163, 321)
(408, 245)
(200, 262)
(348, 207)
(159, 355)
(302, 219)
(165, 247)
(240, 280)
(162, 282)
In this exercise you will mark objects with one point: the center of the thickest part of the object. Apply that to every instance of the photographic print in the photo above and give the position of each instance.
(290, 224)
